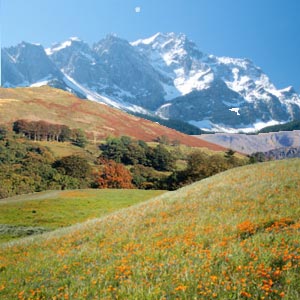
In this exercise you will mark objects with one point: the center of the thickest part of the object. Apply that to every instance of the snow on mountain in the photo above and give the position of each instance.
(207, 125)
(146, 41)
(177, 60)
(91, 95)
(71, 52)
(10, 75)
(58, 47)
(164, 74)
(190, 70)
(42, 81)
(129, 73)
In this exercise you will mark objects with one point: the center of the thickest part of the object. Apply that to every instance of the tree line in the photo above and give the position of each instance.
(155, 167)
(44, 131)
(27, 167)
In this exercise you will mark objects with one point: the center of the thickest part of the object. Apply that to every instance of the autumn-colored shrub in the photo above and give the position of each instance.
(112, 175)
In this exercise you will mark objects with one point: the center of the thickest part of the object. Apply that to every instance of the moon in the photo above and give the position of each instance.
(138, 9)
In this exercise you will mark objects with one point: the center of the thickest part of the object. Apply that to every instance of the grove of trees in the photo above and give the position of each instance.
(122, 162)
(44, 131)
(201, 165)
(130, 152)
(27, 167)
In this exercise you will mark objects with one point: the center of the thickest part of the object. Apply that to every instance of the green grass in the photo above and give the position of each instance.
(235, 235)
(25, 215)
(60, 149)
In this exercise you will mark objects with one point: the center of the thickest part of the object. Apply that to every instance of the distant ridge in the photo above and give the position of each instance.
(290, 126)
(248, 144)
(97, 120)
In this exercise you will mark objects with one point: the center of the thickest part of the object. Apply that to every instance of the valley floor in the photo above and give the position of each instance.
(40, 212)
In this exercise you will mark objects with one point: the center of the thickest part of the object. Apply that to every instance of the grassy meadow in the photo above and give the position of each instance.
(45, 211)
(235, 235)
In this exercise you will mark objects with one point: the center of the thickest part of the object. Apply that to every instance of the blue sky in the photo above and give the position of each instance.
(265, 31)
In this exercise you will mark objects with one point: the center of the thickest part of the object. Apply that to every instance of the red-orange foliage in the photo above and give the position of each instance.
(113, 175)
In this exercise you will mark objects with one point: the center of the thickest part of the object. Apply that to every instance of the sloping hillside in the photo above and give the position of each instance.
(248, 144)
(290, 126)
(97, 120)
(232, 236)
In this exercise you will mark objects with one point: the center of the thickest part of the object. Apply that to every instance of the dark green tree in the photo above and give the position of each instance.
(79, 138)
(113, 149)
(229, 153)
(216, 164)
(146, 177)
(74, 166)
(65, 134)
(197, 165)
(3, 133)
(257, 157)
(161, 159)
(134, 154)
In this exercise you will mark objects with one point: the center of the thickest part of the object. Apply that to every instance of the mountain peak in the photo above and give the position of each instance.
(160, 37)
(111, 41)
(59, 46)
(23, 49)
(75, 39)
(24, 44)
(113, 37)
(167, 43)
(288, 90)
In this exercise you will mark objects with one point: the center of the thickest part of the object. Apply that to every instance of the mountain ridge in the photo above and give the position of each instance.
(262, 142)
(165, 75)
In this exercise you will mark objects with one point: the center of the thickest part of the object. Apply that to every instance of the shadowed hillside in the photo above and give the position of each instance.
(290, 126)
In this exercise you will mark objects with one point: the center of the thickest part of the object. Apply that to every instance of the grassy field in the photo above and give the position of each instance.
(235, 235)
(63, 149)
(35, 213)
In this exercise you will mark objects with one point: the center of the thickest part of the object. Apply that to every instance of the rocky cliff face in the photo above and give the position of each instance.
(27, 64)
(283, 153)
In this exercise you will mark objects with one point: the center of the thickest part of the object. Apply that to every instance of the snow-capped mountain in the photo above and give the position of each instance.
(165, 74)
(178, 61)
(28, 65)
(204, 87)
(112, 71)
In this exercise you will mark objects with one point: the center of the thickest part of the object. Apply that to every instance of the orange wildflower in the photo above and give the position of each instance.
(181, 288)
